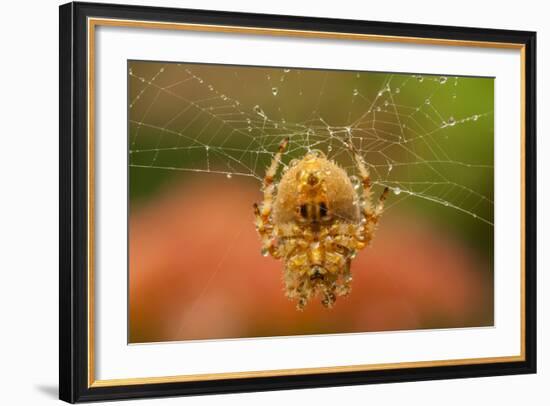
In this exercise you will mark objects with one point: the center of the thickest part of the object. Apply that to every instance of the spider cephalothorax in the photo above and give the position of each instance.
(316, 222)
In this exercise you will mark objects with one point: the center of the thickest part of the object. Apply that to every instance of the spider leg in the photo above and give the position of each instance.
(264, 224)
(370, 213)
(269, 185)
(266, 231)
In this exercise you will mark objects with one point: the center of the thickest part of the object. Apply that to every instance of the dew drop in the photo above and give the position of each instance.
(451, 121)
(274, 91)
(355, 92)
(286, 70)
(378, 108)
(329, 148)
(397, 90)
(258, 110)
(443, 79)
(249, 129)
(420, 78)
(390, 167)
(475, 117)
(210, 87)
(248, 120)
(229, 176)
(397, 191)
(265, 252)
(317, 153)
(446, 204)
(386, 103)
(294, 162)
(427, 101)
(355, 181)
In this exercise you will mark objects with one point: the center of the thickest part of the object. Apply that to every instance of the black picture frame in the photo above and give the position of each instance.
(74, 199)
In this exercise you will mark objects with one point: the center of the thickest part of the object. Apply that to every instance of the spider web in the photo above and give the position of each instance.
(419, 134)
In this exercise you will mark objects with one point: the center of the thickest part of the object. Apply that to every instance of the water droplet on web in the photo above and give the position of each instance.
(249, 129)
(378, 108)
(258, 110)
(454, 96)
(286, 70)
(420, 78)
(329, 148)
(355, 92)
(264, 252)
(390, 167)
(316, 153)
(386, 103)
(229, 176)
(355, 181)
(352, 254)
(142, 79)
(451, 121)
(210, 87)
(443, 79)
(397, 191)
(130, 71)
(397, 90)
(294, 162)
(248, 120)
(276, 125)
(379, 93)
(475, 117)
(274, 91)
(446, 203)
(403, 126)
(427, 101)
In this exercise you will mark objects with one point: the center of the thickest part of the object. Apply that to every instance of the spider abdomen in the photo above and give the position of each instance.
(315, 222)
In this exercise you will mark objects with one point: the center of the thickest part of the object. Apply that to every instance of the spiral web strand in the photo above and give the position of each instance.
(229, 120)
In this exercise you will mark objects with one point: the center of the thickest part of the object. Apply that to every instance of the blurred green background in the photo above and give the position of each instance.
(200, 138)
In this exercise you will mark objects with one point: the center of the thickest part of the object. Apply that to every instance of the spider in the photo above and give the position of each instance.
(315, 221)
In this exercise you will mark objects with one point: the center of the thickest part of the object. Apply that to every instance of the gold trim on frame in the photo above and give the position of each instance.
(94, 22)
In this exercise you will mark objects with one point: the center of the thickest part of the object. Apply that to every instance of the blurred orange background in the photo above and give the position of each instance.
(196, 272)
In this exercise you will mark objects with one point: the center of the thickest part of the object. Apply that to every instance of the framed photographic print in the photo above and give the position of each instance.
(257, 202)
